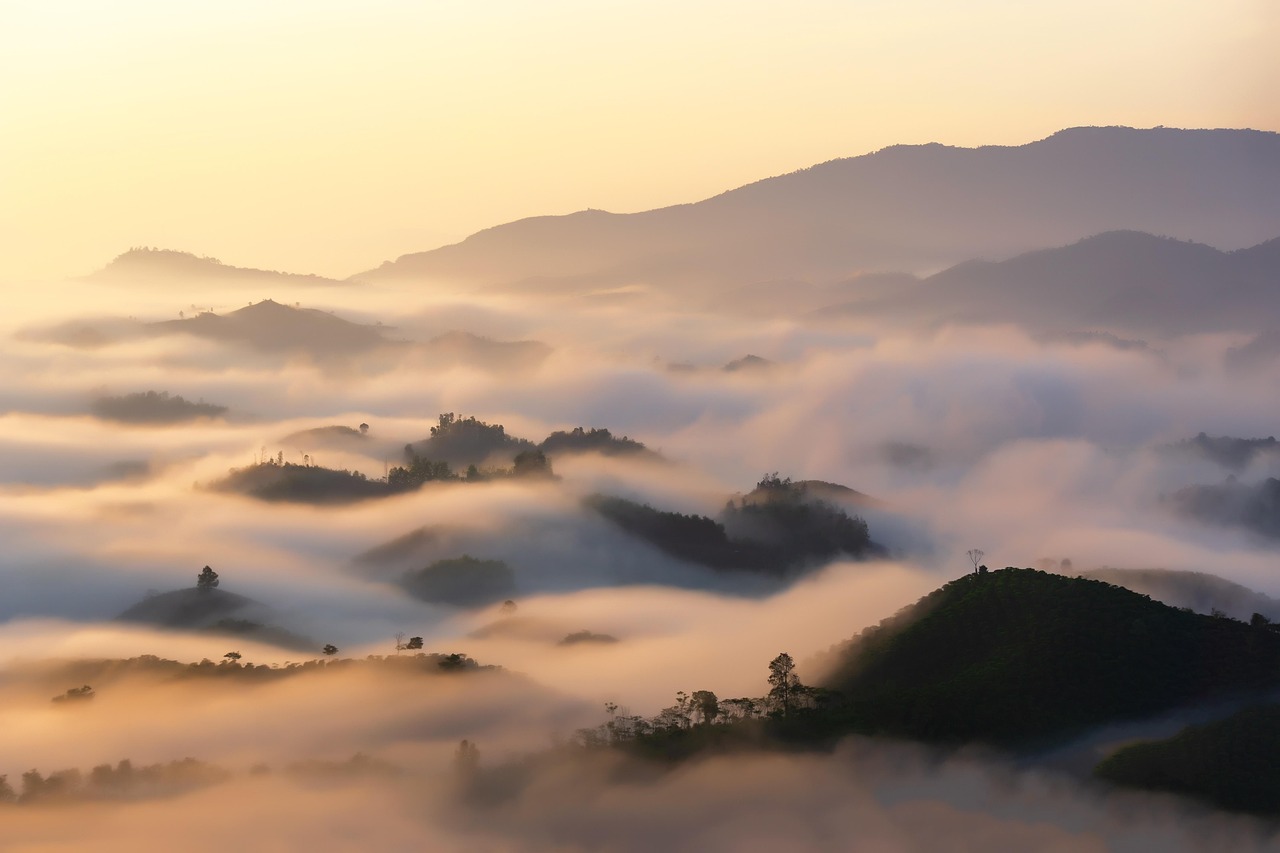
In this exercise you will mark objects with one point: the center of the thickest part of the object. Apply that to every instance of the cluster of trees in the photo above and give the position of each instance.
(468, 441)
(277, 480)
(418, 470)
(700, 717)
(105, 782)
(153, 407)
(777, 533)
(579, 440)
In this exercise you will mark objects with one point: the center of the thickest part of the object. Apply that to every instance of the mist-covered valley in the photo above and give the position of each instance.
(421, 559)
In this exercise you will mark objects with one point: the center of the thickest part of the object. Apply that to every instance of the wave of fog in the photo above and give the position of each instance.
(967, 436)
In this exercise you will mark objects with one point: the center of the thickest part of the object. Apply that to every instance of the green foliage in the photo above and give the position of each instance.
(1232, 763)
(462, 581)
(1018, 655)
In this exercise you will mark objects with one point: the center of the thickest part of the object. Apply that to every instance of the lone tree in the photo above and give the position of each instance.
(234, 657)
(784, 684)
(206, 580)
(330, 649)
(414, 643)
(975, 556)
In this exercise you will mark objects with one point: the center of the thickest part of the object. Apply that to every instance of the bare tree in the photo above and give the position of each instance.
(975, 556)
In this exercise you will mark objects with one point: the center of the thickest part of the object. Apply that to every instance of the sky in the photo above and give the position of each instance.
(328, 137)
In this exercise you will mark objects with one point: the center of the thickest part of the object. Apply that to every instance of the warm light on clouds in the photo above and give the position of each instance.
(329, 136)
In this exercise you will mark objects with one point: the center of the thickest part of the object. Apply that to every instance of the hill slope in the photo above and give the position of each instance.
(165, 266)
(911, 207)
(1122, 279)
(1019, 655)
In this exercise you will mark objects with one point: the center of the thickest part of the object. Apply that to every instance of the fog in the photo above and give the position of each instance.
(979, 435)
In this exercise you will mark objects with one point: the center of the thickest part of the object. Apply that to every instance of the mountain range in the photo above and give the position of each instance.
(917, 208)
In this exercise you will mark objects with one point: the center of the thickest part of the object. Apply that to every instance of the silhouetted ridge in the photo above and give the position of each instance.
(915, 207)
(156, 265)
(1018, 655)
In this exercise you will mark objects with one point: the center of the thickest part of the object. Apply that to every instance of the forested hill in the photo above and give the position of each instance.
(1019, 655)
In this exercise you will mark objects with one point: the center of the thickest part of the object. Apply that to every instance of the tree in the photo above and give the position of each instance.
(399, 641)
(975, 556)
(207, 580)
(784, 684)
(508, 608)
(330, 649)
(414, 643)
(706, 706)
(76, 694)
(234, 657)
(364, 429)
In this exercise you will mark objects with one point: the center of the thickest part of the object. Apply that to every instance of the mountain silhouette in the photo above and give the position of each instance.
(907, 207)
(165, 266)
(270, 326)
(1119, 279)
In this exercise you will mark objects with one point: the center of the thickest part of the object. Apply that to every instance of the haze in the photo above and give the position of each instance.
(327, 301)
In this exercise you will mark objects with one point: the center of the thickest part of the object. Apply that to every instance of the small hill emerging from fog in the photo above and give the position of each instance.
(1233, 763)
(214, 611)
(1203, 593)
(594, 440)
(312, 484)
(780, 534)
(187, 608)
(272, 327)
(168, 267)
(463, 441)
(153, 407)
(1021, 656)
(462, 582)
(907, 207)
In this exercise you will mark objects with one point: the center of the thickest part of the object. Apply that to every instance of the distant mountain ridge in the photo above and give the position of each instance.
(167, 265)
(912, 207)
(1118, 279)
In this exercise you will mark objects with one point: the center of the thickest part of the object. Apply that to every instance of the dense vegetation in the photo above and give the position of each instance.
(153, 407)
(594, 440)
(460, 442)
(1016, 655)
(462, 581)
(1232, 763)
(286, 481)
(775, 535)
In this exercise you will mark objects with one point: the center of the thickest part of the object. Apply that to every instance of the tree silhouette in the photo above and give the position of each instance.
(234, 657)
(784, 684)
(414, 643)
(206, 580)
(975, 556)
(330, 649)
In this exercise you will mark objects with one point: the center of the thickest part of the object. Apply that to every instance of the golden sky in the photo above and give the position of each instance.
(323, 136)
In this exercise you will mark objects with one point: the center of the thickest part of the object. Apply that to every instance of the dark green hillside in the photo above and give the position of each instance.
(1020, 655)
(1232, 763)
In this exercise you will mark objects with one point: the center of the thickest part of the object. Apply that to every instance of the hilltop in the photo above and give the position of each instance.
(1022, 656)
